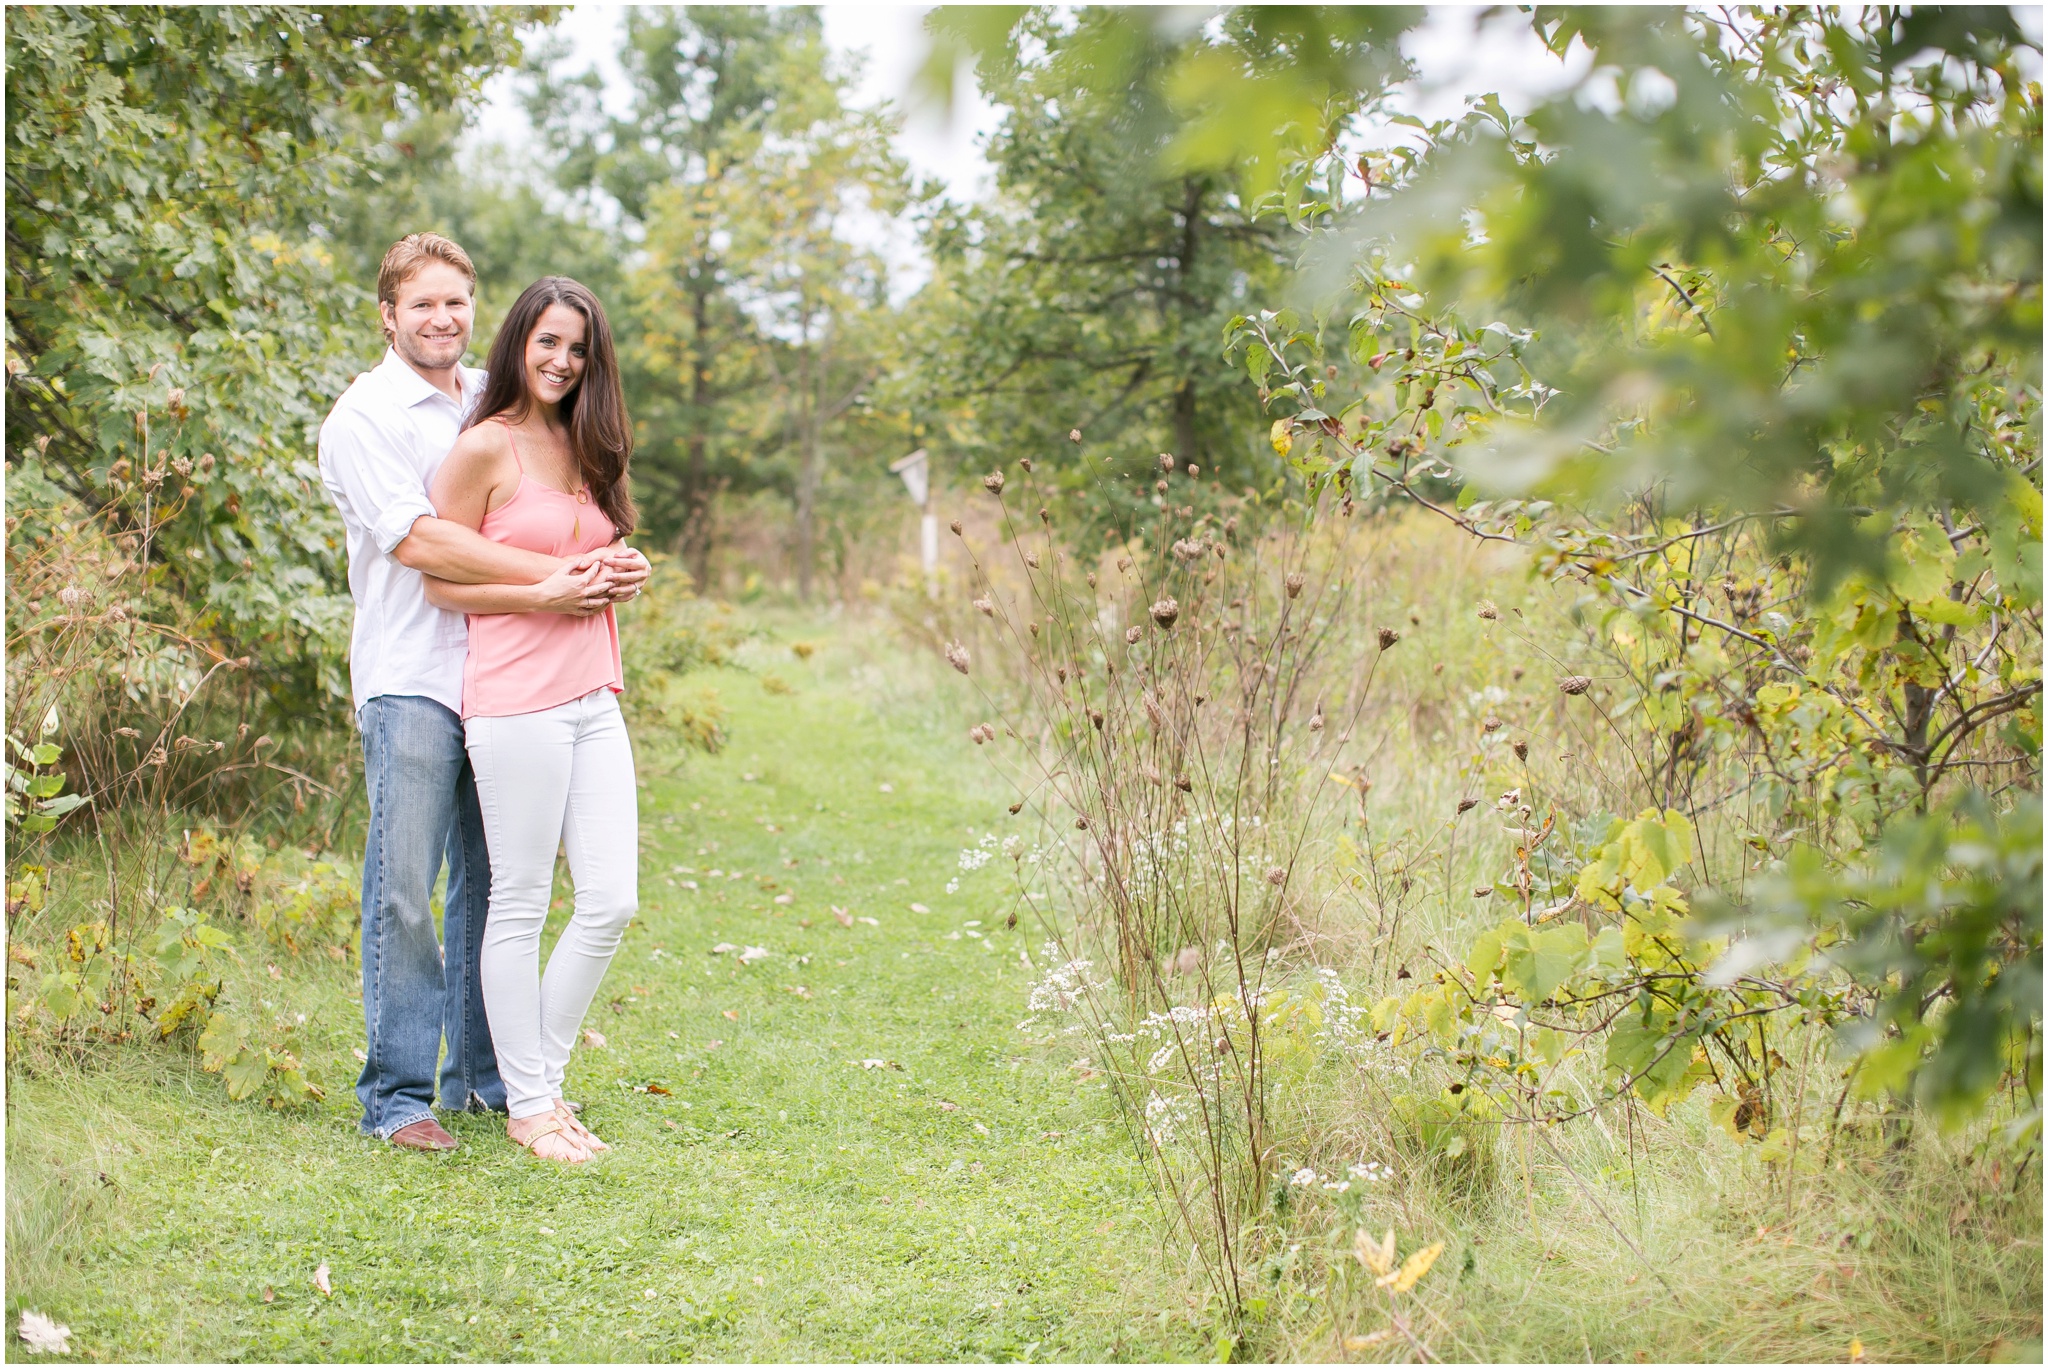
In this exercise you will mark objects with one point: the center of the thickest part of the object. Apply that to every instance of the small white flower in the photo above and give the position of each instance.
(1301, 1178)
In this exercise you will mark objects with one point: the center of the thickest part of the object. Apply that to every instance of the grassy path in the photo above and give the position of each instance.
(779, 1201)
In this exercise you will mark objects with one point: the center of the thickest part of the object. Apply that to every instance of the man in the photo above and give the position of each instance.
(379, 450)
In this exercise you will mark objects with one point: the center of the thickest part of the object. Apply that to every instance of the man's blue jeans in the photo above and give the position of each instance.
(422, 809)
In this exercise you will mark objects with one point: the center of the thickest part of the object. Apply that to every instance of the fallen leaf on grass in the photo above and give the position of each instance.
(714, 1043)
(844, 918)
(945, 1106)
(656, 1088)
(870, 921)
(876, 1064)
(785, 898)
(1412, 1269)
(799, 990)
(724, 948)
(730, 1015)
(322, 1282)
(980, 1128)
(754, 953)
(43, 1336)
(362, 1058)
(1378, 1256)
(919, 908)
(593, 1038)
(1379, 1337)
(269, 1293)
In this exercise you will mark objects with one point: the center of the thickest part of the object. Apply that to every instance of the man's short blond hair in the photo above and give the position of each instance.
(414, 251)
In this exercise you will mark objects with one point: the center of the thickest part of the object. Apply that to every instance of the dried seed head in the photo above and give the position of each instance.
(1026, 464)
(1132, 634)
(1488, 612)
(1295, 580)
(71, 596)
(1031, 559)
(1061, 672)
(955, 525)
(1415, 617)
(1467, 805)
(1033, 625)
(182, 465)
(1187, 549)
(1518, 672)
(1095, 716)
(993, 482)
(1164, 610)
(1045, 517)
(1184, 784)
(1091, 579)
(1574, 684)
(1016, 808)
(1159, 486)
(1194, 472)
(1166, 461)
(1491, 725)
(974, 734)
(1437, 669)
(1073, 434)
(1082, 822)
(1315, 724)
(1011, 920)
(1152, 776)
(1123, 563)
(1230, 526)
(1521, 750)
(957, 657)
(1482, 892)
(205, 463)
(985, 608)
(1388, 637)
(1276, 876)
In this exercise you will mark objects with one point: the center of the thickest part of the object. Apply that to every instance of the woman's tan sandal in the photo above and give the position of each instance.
(581, 1134)
(551, 1126)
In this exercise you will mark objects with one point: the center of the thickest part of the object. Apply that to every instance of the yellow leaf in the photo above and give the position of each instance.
(1384, 1334)
(1378, 1256)
(1856, 1350)
(1412, 1269)
(1282, 436)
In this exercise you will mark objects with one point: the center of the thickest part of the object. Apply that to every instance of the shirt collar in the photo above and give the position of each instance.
(412, 388)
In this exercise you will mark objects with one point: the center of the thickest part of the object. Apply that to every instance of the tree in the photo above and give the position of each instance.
(175, 320)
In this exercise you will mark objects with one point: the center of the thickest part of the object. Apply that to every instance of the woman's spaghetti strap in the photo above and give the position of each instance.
(515, 445)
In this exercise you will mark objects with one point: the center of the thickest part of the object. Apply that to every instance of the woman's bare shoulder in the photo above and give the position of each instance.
(482, 446)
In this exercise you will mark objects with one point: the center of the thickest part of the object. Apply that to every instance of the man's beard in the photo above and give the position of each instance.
(408, 347)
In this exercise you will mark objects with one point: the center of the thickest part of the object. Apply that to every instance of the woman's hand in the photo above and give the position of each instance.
(629, 571)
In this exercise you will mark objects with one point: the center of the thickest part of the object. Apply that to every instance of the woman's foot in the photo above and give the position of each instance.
(545, 1136)
(584, 1135)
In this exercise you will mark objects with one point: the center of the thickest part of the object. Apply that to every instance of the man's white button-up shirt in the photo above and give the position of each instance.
(379, 450)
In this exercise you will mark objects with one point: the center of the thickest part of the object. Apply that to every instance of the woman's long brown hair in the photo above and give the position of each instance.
(600, 434)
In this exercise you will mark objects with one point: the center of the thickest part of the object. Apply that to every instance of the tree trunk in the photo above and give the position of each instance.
(808, 475)
(697, 529)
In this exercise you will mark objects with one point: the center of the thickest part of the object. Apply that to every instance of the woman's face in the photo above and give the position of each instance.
(555, 354)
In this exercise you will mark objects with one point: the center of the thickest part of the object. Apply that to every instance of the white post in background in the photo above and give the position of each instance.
(916, 472)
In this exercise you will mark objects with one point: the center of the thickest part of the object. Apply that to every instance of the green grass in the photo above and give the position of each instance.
(780, 1202)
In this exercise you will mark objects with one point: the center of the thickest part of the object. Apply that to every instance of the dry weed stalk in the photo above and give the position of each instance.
(1178, 713)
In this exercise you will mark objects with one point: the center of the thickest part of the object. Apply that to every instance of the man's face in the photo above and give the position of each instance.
(430, 322)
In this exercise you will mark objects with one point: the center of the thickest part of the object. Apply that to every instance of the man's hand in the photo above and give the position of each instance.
(577, 588)
(629, 572)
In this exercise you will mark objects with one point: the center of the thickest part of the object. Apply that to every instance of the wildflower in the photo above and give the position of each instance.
(985, 608)
(1295, 580)
(1073, 434)
(993, 482)
(1165, 610)
(1388, 637)
(1302, 1178)
(957, 657)
(1574, 684)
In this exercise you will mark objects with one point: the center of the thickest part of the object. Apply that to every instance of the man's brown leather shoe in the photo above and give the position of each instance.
(425, 1134)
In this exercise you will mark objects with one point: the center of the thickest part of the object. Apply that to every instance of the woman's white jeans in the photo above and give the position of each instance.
(562, 775)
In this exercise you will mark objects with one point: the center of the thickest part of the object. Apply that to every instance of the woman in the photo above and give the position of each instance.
(541, 464)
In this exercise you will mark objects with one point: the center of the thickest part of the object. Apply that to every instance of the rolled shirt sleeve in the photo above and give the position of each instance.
(368, 477)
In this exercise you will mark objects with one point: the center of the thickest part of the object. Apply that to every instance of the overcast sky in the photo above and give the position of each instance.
(1458, 57)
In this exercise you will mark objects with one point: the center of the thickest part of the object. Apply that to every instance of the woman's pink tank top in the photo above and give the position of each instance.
(525, 662)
